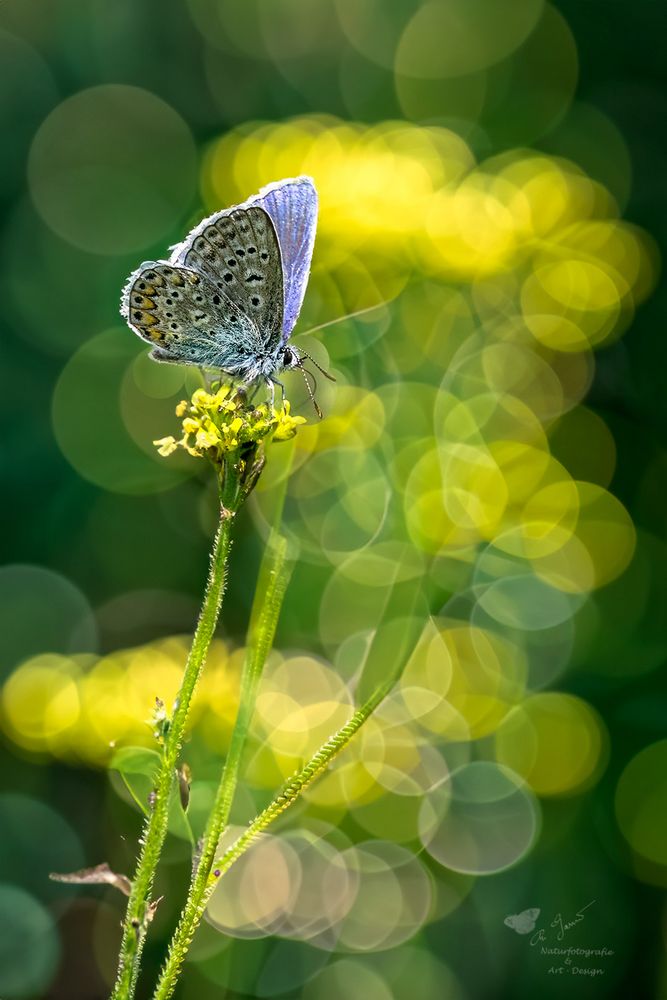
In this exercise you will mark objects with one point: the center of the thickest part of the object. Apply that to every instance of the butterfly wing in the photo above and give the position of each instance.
(292, 205)
(524, 922)
(238, 251)
(231, 292)
(188, 319)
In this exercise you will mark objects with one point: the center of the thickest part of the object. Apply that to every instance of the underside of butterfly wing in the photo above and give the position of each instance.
(291, 206)
(230, 294)
(238, 251)
(188, 320)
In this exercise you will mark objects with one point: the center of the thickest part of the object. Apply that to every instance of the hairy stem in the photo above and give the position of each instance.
(289, 794)
(405, 616)
(274, 577)
(140, 908)
(291, 791)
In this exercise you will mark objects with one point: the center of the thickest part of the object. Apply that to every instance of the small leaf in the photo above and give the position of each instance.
(135, 765)
(99, 875)
(179, 823)
(184, 781)
(135, 760)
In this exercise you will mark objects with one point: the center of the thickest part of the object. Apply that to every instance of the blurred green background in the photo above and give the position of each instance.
(493, 171)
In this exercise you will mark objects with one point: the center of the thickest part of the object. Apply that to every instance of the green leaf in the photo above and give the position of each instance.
(141, 763)
(136, 760)
(138, 768)
(178, 823)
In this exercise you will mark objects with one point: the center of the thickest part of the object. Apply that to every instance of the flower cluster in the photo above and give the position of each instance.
(217, 423)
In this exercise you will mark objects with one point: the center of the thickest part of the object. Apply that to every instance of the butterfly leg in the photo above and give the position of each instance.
(272, 392)
(273, 382)
(254, 390)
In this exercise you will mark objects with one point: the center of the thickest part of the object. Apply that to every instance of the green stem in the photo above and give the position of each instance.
(275, 573)
(195, 907)
(139, 910)
(291, 791)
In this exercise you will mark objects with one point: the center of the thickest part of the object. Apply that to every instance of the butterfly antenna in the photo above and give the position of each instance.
(319, 367)
(341, 319)
(305, 373)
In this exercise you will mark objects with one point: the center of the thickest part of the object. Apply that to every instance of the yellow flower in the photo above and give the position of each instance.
(166, 446)
(287, 424)
(216, 423)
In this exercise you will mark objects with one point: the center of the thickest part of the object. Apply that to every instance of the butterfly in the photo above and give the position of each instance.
(230, 294)
(524, 922)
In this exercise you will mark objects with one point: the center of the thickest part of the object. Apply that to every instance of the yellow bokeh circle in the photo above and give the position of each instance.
(641, 803)
(555, 741)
